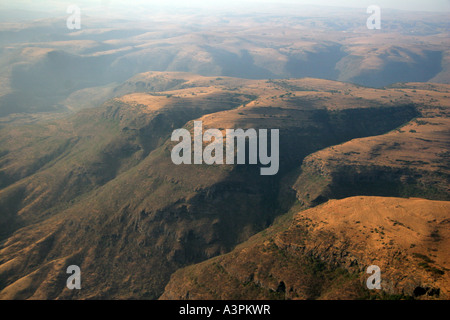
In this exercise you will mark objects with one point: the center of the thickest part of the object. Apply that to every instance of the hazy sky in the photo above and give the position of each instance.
(53, 5)
(421, 5)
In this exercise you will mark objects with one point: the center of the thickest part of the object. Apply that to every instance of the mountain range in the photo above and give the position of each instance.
(86, 176)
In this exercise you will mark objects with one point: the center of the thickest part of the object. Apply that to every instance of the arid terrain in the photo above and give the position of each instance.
(86, 176)
(323, 253)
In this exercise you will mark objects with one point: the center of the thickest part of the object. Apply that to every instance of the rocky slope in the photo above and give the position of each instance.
(99, 189)
(324, 252)
(412, 160)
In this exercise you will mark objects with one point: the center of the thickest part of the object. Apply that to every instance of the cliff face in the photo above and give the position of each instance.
(324, 252)
(411, 161)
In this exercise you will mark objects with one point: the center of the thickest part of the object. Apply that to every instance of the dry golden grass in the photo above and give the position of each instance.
(407, 238)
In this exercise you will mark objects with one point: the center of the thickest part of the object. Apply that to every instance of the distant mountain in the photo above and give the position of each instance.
(42, 63)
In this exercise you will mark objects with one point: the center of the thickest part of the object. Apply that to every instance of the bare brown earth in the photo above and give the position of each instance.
(98, 189)
(324, 252)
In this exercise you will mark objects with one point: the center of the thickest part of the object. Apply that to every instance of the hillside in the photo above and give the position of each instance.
(323, 253)
(104, 194)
